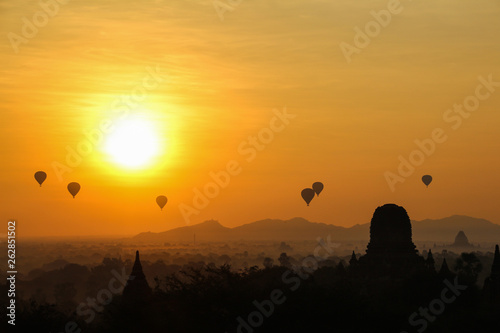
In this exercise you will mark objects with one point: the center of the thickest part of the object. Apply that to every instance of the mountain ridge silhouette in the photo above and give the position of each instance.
(300, 229)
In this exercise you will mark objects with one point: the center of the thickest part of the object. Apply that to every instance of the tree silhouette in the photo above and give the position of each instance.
(64, 294)
(468, 267)
(284, 260)
(268, 262)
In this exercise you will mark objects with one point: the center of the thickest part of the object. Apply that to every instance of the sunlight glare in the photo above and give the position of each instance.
(133, 143)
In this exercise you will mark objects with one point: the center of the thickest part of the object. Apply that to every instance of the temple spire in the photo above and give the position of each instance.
(137, 268)
(444, 271)
(137, 286)
(429, 262)
(495, 268)
(353, 260)
(492, 283)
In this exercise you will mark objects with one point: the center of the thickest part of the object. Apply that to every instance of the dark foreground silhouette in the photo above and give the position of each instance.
(390, 289)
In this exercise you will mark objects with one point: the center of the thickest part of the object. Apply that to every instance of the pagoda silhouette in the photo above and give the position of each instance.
(391, 251)
(491, 287)
(137, 286)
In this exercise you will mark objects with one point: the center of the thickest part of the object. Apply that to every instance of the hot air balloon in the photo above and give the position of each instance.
(318, 187)
(427, 180)
(161, 200)
(308, 194)
(40, 177)
(73, 188)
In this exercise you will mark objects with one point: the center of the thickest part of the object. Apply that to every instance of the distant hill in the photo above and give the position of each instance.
(445, 230)
(208, 231)
(299, 229)
(296, 229)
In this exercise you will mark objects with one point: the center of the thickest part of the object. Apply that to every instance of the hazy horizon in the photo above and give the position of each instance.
(121, 236)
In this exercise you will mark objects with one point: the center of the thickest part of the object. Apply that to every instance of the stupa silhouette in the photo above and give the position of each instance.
(461, 240)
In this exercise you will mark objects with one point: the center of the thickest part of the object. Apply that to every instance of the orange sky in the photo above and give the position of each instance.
(216, 83)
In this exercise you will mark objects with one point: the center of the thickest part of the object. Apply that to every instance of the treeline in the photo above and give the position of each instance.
(286, 298)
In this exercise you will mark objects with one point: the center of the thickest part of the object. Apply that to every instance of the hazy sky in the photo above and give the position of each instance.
(216, 82)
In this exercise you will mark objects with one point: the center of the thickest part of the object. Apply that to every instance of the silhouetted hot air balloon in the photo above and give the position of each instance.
(318, 187)
(427, 179)
(161, 200)
(73, 188)
(308, 194)
(40, 177)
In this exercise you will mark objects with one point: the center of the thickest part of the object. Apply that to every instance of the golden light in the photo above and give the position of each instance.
(133, 143)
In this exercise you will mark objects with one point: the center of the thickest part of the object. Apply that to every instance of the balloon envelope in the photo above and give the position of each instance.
(308, 194)
(318, 187)
(427, 179)
(73, 188)
(161, 200)
(40, 177)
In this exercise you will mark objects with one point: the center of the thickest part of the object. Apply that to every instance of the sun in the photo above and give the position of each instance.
(133, 143)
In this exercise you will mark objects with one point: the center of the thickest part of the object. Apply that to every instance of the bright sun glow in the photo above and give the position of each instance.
(133, 143)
